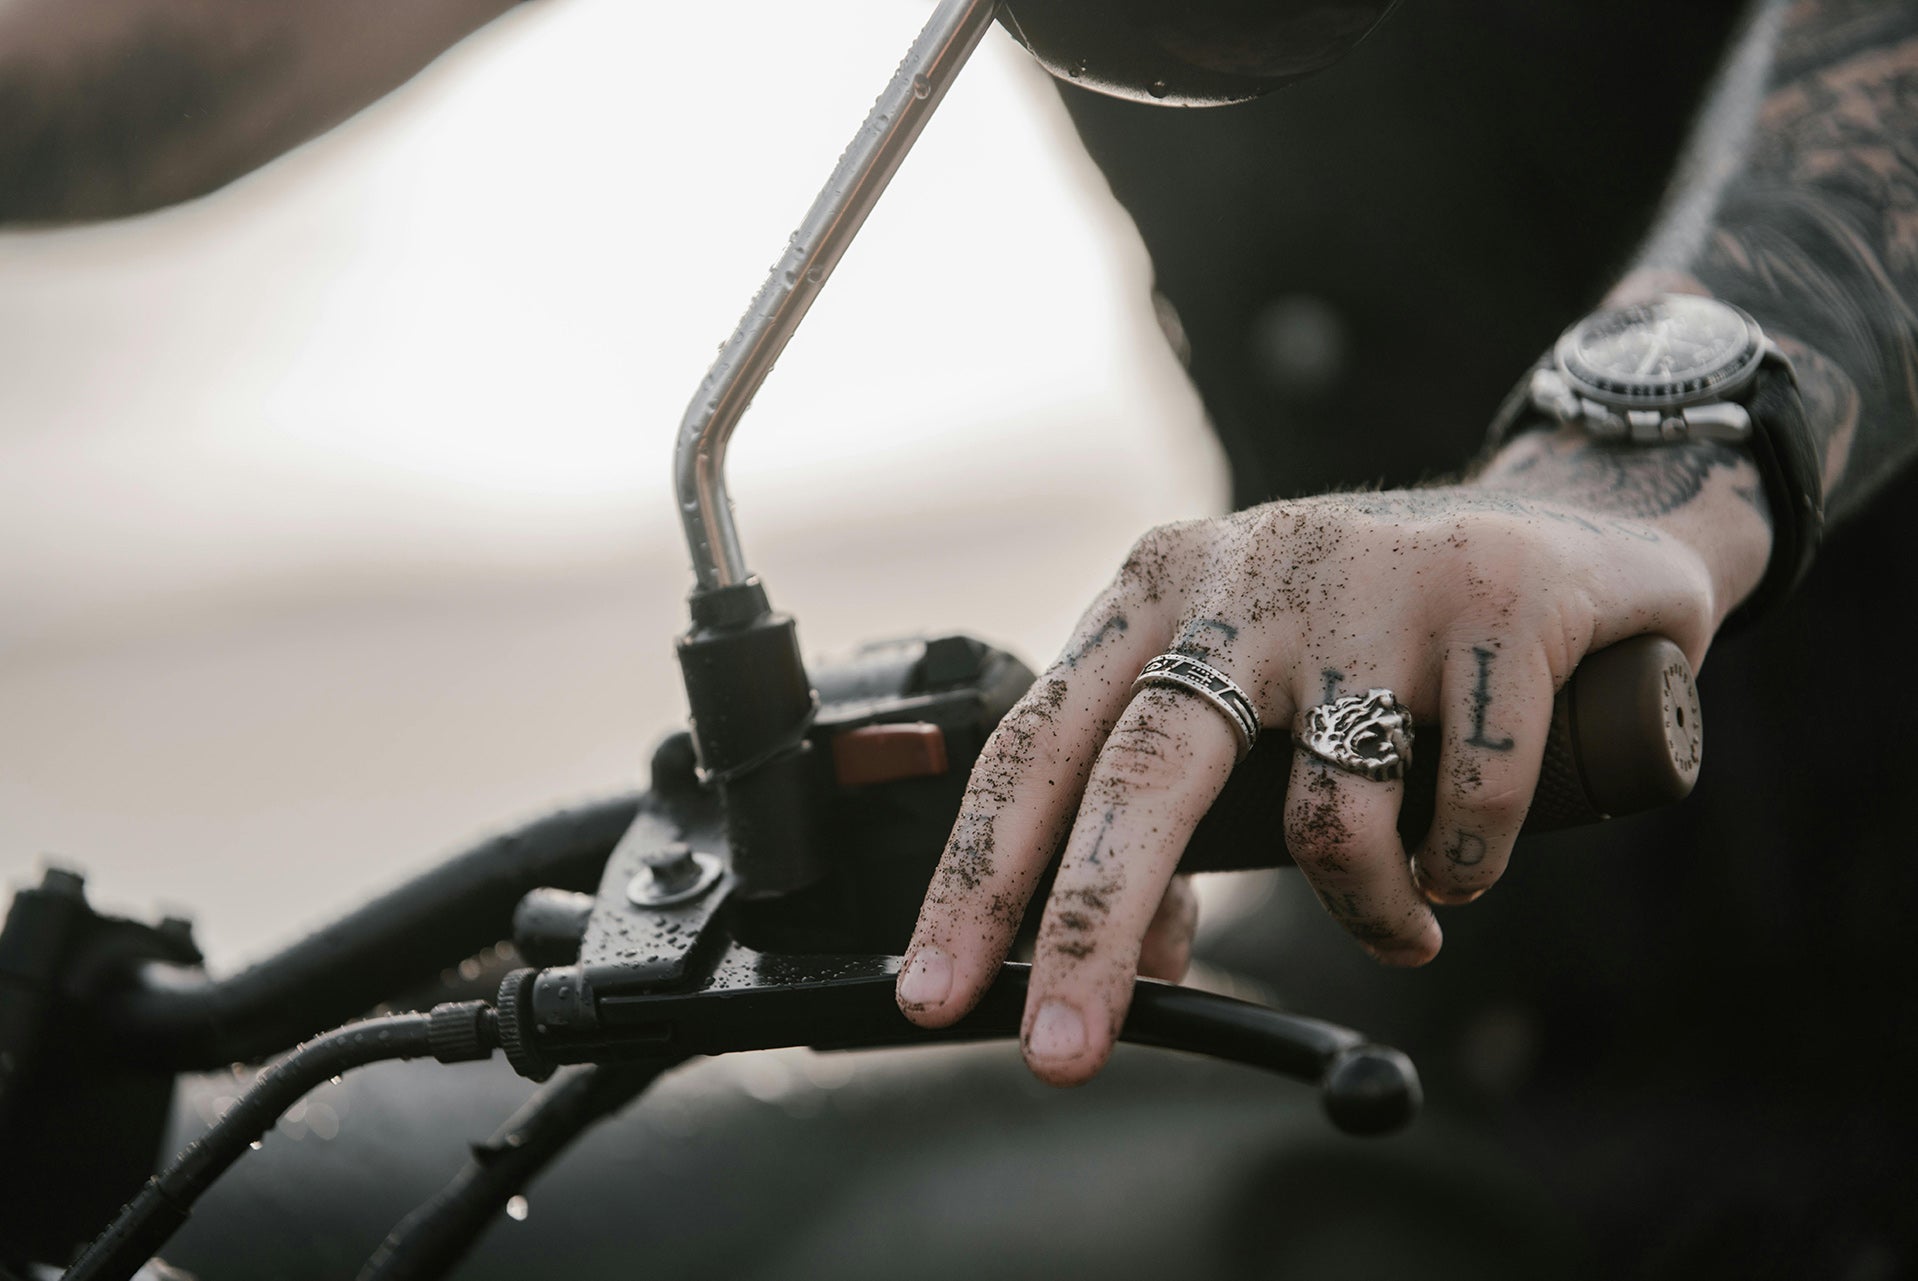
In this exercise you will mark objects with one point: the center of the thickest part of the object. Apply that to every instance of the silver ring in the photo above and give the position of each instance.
(1369, 734)
(1211, 684)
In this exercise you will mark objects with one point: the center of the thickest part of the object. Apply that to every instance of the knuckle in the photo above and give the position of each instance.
(1139, 753)
(1317, 829)
(1077, 926)
(1154, 559)
(1502, 807)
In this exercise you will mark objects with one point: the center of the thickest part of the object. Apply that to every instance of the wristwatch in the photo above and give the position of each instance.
(1681, 367)
(1657, 371)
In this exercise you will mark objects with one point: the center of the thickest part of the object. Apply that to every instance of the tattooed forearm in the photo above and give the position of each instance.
(1599, 477)
(1512, 489)
(1815, 229)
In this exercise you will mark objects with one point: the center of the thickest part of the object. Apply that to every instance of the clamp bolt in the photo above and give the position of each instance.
(674, 874)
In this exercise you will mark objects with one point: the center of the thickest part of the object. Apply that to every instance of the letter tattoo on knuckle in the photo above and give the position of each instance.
(1115, 625)
(1191, 643)
(1482, 704)
(1466, 850)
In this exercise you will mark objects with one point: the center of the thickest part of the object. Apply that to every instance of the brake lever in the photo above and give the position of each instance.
(760, 1001)
(658, 971)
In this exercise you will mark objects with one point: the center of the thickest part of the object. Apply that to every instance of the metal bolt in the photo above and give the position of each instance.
(675, 873)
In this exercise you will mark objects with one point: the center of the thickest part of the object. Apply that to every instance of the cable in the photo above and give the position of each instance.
(175, 1018)
(452, 1033)
(430, 1242)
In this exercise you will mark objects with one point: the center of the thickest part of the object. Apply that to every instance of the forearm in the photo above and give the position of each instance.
(1801, 206)
(115, 107)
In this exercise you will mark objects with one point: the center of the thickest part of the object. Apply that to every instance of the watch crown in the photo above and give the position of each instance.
(1551, 394)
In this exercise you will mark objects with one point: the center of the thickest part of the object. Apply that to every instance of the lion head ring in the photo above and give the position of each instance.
(1369, 734)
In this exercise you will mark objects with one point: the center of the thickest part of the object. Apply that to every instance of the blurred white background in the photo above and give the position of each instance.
(335, 523)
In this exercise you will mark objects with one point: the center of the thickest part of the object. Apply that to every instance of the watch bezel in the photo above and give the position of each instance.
(1650, 393)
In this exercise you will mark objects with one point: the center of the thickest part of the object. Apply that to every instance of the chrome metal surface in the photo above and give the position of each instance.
(1724, 420)
(1210, 684)
(699, 464)
(678, 875)
(1369, 735)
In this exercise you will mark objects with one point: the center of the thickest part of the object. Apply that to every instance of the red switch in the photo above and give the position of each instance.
(888, 753)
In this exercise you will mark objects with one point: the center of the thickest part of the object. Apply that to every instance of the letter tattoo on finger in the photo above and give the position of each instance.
(1467, 850)
(1191, 646)
(1481, 703)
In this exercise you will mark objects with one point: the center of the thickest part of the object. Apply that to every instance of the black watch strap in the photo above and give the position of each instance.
(1782, 447)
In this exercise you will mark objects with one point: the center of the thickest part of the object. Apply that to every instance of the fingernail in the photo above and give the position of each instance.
(1058, 1033)
(927, 978)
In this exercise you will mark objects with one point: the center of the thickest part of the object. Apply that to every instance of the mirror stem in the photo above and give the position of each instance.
(705, 508)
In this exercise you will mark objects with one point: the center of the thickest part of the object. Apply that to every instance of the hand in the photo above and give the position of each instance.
(1472, 602)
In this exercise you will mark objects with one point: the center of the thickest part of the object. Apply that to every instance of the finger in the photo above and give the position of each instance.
(1021, 795)
(1497, 711)
(1160, 769)
(1342, 831)
(1166, 952)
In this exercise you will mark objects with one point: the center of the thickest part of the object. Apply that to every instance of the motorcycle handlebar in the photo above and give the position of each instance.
(1626, 736)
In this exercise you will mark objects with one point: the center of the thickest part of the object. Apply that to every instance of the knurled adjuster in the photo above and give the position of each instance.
(462, 1032)
(517, 1026)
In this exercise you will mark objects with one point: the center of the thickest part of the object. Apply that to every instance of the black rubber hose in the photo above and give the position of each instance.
(153, 1216)
(430, 1242)
(177, 1019)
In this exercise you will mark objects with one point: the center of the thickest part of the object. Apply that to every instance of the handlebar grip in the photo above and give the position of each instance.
(1626, 736)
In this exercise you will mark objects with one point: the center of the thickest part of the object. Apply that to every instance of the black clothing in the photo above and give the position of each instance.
(1696, 1028)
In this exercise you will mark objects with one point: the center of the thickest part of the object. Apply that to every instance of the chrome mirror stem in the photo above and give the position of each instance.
(699, 463)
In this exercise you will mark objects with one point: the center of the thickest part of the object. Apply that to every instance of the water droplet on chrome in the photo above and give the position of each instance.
(921, 87)
(517, 1209)
(1157, 89)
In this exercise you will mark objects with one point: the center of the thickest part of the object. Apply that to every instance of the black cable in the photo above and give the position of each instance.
(176, 1018)
(164, 1203)
(430, 1242)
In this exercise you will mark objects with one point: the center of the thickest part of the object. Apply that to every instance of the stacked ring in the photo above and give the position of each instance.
(1210, 684)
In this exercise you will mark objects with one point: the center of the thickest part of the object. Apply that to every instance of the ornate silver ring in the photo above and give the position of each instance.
(1369, 734)
(1211, 684)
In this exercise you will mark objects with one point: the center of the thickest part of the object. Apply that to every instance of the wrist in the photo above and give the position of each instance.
(1706, 496)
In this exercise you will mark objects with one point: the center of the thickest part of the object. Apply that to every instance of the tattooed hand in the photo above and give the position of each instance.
(1473, 602)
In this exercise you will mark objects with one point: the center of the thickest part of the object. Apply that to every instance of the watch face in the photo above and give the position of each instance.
(1673, 350)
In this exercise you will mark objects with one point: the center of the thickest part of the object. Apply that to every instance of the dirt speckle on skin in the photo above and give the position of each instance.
(1149, 566)
(1317, 828)
(1094, 898)
(1091, 636)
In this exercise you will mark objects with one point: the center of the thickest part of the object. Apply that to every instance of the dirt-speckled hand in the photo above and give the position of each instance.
(1472, 602)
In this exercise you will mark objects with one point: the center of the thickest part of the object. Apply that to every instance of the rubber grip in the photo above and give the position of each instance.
(1627, 736)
